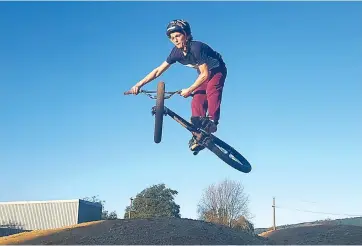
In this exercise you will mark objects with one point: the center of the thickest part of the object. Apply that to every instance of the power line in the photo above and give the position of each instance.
(315, 212)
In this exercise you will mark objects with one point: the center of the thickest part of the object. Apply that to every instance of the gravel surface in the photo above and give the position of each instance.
(173, 231)
(143, 231)
(317, 235)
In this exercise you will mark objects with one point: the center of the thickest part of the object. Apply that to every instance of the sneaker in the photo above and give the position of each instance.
(208, 125)
(205, 123)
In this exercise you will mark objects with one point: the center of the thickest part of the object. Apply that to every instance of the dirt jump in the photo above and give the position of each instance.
(173, 231)
(139, 231)
(317, 235)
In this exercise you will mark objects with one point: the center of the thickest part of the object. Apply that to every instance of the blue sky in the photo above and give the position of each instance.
(291, 105)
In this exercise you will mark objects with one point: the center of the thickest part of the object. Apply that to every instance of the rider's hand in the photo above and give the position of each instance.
(135, 89)
(186, 92)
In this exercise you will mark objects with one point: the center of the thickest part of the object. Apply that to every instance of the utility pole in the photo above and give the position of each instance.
(130, 208)
(274, 227)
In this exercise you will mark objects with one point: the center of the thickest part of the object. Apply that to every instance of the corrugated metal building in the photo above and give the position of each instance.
(38, 215)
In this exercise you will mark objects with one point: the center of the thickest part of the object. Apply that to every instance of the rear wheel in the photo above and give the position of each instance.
(159, 111)
(228, 154)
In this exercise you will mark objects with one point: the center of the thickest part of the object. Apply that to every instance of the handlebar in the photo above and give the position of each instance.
(148, 93)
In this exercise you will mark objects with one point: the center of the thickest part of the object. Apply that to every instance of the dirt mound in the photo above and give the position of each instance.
(139, 231)
(317, 234)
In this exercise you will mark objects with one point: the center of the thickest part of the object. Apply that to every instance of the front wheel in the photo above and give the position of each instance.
(228, 154)
(159, 111)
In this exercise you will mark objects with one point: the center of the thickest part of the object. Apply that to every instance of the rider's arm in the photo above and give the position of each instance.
(200, 51)
(204, 74)
(154, 73)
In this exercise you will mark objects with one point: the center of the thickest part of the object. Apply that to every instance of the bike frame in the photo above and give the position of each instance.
(201, 135)
(208, 140)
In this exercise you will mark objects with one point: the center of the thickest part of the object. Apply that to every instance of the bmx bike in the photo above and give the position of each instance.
(221, 149)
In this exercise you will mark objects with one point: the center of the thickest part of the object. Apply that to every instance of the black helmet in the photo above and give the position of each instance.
(178, 26)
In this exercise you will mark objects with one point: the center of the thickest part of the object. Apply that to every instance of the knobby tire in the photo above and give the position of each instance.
(217, 146)
(159, 111)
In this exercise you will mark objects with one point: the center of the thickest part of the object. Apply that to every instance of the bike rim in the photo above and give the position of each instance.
(229, 154)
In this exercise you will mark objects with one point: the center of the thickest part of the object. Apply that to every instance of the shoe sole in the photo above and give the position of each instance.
(196, 147)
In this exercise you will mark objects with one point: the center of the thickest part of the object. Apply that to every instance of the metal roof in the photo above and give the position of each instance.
(50, 201)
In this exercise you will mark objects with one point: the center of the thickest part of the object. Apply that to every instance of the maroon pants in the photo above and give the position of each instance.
(208, 96)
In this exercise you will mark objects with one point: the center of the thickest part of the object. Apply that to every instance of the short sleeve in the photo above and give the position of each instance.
(172, 57)
(200, 52)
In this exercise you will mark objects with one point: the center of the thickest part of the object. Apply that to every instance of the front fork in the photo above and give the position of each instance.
(153, 110)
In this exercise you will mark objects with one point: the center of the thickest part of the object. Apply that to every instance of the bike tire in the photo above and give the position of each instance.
(220, 149)
(159, 112)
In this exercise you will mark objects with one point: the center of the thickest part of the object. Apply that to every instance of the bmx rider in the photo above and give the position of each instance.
(207, 88)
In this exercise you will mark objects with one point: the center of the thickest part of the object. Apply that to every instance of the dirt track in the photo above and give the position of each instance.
(317, 235)
(184, 231)
(147, 231)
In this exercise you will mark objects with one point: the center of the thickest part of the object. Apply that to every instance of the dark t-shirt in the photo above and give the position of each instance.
(198, 54)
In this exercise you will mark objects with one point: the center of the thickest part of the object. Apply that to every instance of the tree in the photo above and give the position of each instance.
(105, 214)
(154, 201)
(243, 224)
(111, 216)
(225, 203)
